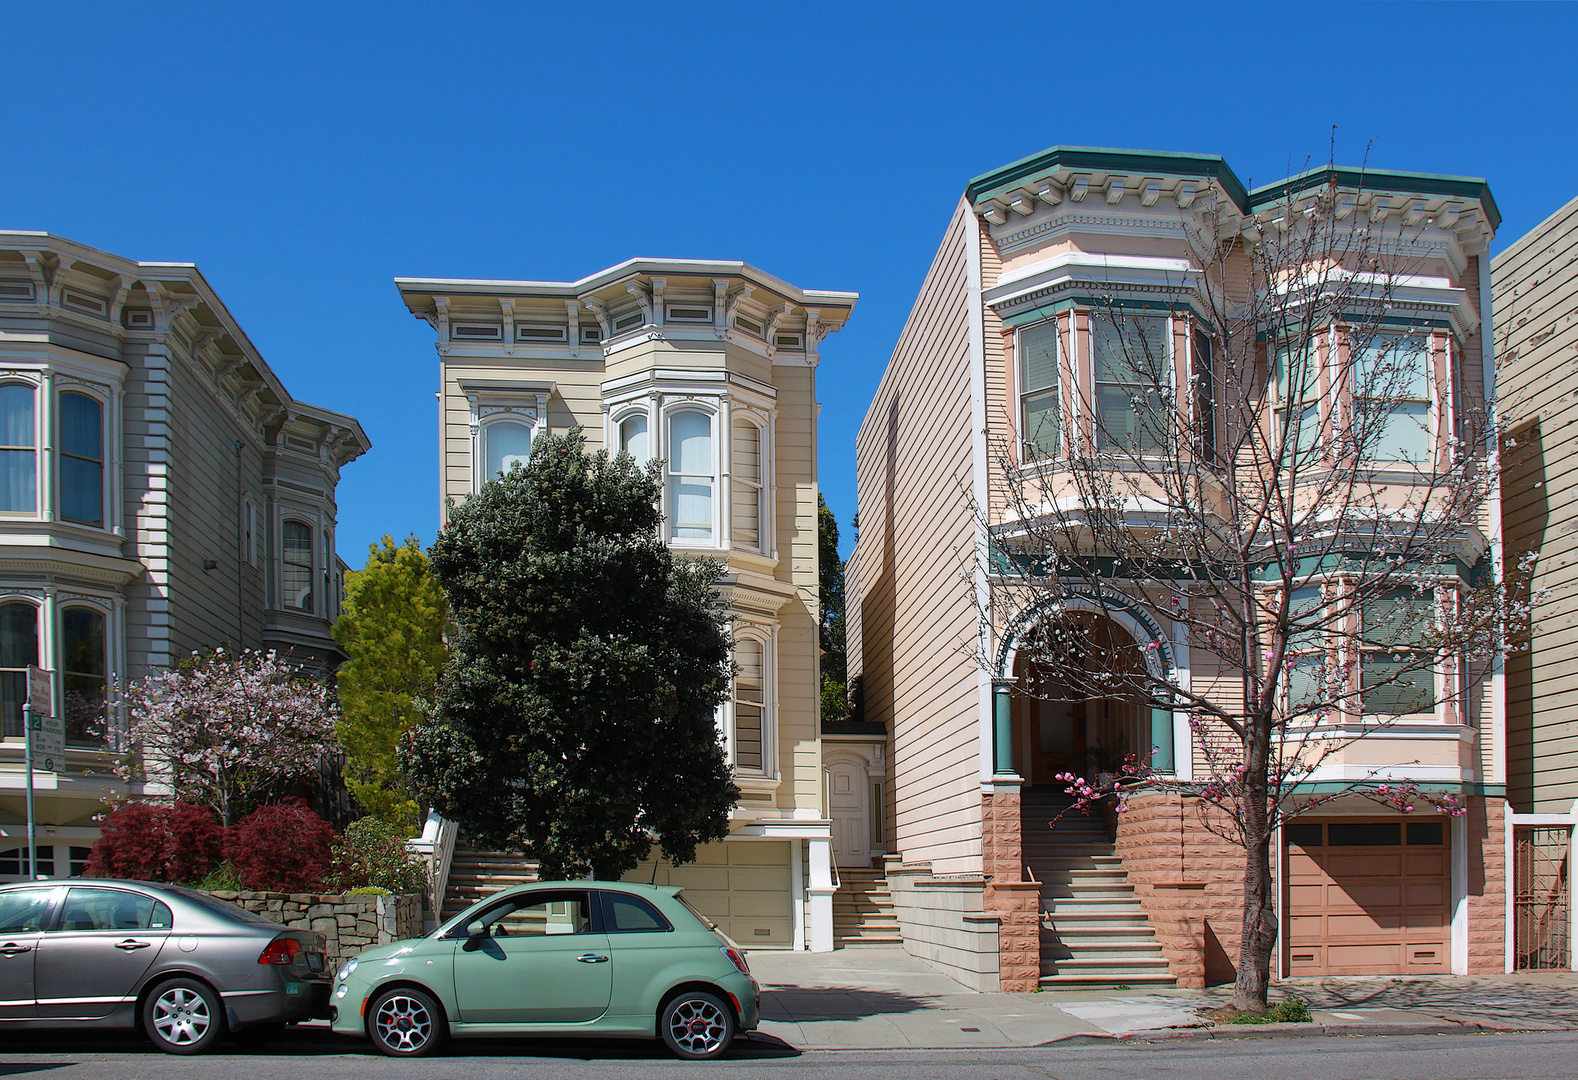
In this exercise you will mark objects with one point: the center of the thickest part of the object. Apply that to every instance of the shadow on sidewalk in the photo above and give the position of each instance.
(804, 1004)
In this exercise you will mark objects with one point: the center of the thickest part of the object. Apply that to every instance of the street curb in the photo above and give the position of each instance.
(1276, 1031)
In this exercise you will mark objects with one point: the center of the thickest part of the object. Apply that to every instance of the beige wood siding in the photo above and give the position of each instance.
(913, 559)
(1536, 327)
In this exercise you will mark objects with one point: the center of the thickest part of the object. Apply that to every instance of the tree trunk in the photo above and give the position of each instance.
(1259, 934)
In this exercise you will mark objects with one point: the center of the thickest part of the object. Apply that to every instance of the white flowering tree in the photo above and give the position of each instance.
(225, 729)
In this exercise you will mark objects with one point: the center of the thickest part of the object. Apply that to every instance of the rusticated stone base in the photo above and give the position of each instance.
(1015, 901)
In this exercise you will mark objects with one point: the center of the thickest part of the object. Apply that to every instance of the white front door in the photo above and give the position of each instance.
(847, 800)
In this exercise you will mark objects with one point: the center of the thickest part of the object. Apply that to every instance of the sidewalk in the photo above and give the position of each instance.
(883, 998)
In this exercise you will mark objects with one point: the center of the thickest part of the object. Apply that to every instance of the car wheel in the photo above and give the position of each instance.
(697, 1025)
(405, 1023)
(183, 1016)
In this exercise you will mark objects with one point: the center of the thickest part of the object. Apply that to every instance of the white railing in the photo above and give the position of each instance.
(436, 848)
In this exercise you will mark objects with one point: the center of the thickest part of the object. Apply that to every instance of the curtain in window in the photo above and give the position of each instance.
(84, 675)
(18, 649)
(746, 495)
(18, 465)
(690, 474)
(1132, 382)
(633, 438)
(1038, 390)
(507, 444)
(750, 699)
(298, 565)
(81, 460)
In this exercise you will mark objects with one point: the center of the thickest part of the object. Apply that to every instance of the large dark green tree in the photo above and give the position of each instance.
(575, 716)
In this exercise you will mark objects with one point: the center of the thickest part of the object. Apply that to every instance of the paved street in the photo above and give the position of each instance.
(317, 1054)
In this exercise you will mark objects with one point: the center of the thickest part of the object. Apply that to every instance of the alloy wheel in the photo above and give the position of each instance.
(403, 1024)
(181, 1016)
(698, 1025)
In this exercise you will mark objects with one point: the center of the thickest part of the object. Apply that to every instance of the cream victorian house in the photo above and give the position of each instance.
(160, 492)
(709, 367)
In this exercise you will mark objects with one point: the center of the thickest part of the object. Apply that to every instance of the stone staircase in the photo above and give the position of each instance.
(1094, 933)
(475, 874)
(863, 909)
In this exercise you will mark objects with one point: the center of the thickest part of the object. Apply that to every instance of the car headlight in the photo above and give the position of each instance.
(346, 968)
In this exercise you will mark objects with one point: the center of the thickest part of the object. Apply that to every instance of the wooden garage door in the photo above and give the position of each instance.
(1367, 897)
(742, 885)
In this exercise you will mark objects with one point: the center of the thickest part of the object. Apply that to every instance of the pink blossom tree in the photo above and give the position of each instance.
(1258, 473)
(225, 729)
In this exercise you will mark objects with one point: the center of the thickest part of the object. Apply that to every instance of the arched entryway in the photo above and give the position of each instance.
(1060, 725)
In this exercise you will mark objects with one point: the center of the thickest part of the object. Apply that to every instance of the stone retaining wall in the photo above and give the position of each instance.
(348, 923)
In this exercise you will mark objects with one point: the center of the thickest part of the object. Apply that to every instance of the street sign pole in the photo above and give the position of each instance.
(40, 704)
(32, 821)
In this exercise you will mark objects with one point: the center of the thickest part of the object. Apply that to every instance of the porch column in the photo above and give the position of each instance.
(1002, 728)
(820, 892)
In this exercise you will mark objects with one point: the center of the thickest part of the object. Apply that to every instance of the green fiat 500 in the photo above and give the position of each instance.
(559, 958)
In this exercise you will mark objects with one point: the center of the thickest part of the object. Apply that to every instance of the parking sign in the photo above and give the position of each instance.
(45, 730)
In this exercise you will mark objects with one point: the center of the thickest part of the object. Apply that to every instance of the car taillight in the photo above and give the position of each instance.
(736, 959)
(281, 951)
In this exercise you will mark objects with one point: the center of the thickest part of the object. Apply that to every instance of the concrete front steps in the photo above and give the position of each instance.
(1094, 933)
(863, 909)
(474, 875)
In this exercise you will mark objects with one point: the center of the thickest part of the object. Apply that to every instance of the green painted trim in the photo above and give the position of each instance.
(1444, 787)
(1406, 183)
(1102, 159)
(1044, 311)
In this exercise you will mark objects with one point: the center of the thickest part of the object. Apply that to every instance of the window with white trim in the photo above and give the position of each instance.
(633, 438)
(1307, 658)
(746, 490)
(1397, 671)
(84, 675)
(1039, 412)
(750, 704)
(81, 459)
(506, 443)
(692, 476)
(296, 578)
(1391, 397)
(1295, 372)
(1132, 382)
(18, 449)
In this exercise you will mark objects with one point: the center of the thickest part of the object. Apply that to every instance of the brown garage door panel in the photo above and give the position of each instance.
(1366, 911)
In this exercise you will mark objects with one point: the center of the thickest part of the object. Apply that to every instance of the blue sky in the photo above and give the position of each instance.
(303, 155)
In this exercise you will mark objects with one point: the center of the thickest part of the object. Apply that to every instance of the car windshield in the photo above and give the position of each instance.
(221, 907)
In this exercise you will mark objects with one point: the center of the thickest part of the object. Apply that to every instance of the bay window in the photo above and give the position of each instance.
(633, 438)
(1296, 376)
(84, 676)
(691, 475)
(746, 490)
(505, 444)
(1304, 672)
(1391, 392)
(1396, 667)
(1039, 413)
(18, 450)
(750, 703)
(18, 650)
(297, 565)
(1132, 382)
(81, 459)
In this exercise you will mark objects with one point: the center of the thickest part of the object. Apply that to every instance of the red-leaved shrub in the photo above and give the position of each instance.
(283, 846)
(156, 842)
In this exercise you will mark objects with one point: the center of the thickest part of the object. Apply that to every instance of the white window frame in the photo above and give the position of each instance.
(287, 516)
(106, 454)
(1097, 316)
(709, 407)
(764, 485)
(617, 418)
(490, 403)
(40, 476)
(1430, 398)
(765, 635)
(1022, 392)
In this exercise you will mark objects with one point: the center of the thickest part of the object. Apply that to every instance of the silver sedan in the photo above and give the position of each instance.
(183, 966)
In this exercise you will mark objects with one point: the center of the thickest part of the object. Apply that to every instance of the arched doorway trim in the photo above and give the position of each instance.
(1155, 644)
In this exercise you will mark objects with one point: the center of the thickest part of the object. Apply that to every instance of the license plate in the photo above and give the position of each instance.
(314, 962)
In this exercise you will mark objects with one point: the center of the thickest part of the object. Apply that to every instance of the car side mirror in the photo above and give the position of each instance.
(476, 928)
